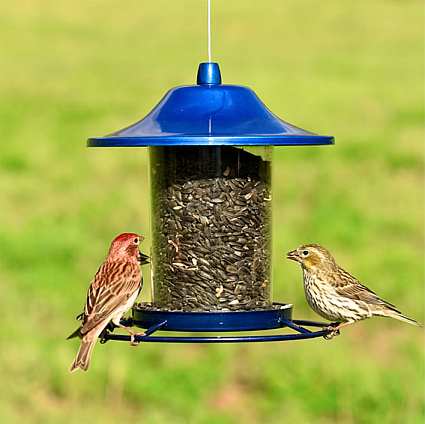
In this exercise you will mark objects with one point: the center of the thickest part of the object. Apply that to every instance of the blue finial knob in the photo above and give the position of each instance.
(208, 73)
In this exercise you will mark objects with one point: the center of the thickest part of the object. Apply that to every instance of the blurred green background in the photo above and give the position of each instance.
(74, 69)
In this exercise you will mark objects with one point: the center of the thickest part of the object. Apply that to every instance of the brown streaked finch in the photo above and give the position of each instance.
(112, 292)
(335, 294)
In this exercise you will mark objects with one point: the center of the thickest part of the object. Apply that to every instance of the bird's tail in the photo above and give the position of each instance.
(393, 313)
(82, 360)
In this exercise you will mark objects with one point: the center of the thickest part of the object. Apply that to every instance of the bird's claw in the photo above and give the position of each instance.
(331, 332)
(133, 341)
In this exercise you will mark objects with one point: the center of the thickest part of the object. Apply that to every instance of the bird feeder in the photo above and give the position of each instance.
(210, 149)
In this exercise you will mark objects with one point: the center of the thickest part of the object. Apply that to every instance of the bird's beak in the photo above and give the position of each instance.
(143, 259)
(293, 255)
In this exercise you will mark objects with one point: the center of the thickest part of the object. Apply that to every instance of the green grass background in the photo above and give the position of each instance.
(69, 70)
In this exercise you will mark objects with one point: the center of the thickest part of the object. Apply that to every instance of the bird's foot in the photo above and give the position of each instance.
(332, 331)
(133, 334)
(331, 334)
(133, 341)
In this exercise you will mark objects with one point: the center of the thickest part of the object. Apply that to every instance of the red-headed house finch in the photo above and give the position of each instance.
(111, 294)
(335, 294)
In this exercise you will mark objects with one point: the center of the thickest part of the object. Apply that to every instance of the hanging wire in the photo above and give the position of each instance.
(209, 30)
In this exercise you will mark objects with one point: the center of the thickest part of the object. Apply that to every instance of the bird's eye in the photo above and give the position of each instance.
(305, 252)
(136, 240)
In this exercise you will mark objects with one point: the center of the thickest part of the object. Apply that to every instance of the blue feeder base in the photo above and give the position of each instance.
(279, 316)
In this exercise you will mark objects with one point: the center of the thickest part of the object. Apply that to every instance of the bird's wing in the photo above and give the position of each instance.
(113, 284)
(351, 288)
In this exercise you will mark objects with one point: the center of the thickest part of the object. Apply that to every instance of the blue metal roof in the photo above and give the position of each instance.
(210, 114)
